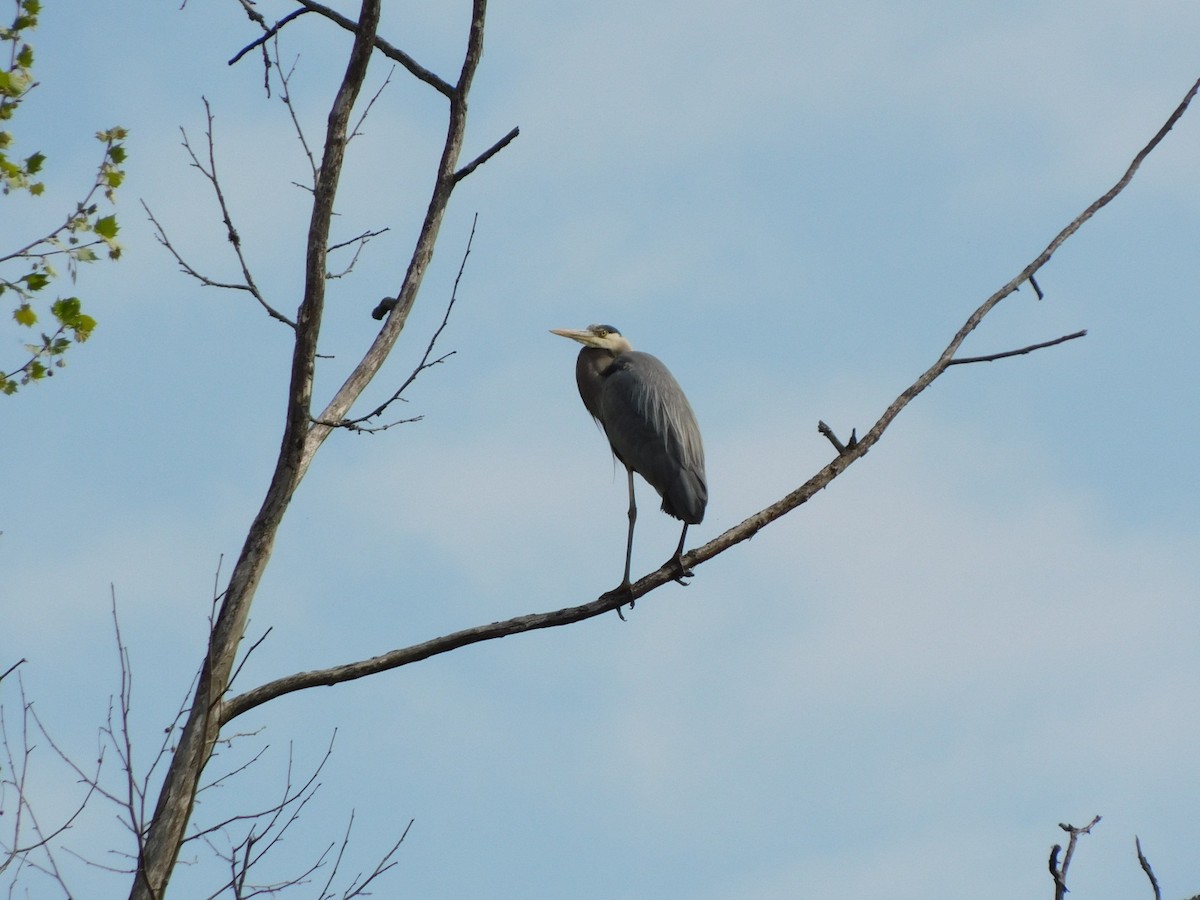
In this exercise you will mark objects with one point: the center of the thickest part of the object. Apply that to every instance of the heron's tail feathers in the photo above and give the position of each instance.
(686, 497)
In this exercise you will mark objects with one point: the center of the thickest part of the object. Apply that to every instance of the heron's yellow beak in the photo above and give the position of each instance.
(582, 335)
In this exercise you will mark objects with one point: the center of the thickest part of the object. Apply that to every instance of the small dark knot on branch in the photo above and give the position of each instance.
(386, 305)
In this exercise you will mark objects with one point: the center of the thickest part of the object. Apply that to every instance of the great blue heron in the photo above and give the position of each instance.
(650, 426)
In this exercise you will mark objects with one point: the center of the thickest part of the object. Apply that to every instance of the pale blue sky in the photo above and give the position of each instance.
(987, 626)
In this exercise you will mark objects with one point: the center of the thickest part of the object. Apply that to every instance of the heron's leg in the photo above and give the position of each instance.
(624, 587)
(678, 559)
(629, 540)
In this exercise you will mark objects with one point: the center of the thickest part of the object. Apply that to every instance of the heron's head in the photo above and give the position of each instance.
(603, 337)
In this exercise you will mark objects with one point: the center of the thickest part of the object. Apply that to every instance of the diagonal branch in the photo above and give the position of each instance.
(745, 530)
(964, 360)
(486, 155)
(268, 34)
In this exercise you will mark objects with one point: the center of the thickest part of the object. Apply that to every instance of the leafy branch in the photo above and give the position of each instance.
(85, 233)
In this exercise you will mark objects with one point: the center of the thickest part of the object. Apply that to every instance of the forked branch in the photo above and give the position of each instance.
(1058, 871)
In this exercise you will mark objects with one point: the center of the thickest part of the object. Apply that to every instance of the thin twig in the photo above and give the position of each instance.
(385, 863)
(246, 656)
(425, 363)
(13, 668)
(209, 172)
(362, 240)
(268, 34)
(285, 96)
(962, 361)
(486, 155)
(355, 131)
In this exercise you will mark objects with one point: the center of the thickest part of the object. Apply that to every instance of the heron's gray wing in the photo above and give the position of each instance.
(653, 430)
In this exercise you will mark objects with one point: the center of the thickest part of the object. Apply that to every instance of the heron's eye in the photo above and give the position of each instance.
(602, 332)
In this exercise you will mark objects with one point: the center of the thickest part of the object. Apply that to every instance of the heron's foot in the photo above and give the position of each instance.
(684, 571)
(624, 590)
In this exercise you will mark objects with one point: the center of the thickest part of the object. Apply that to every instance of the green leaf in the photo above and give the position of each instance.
(106, 227)
(117, 154)
(66, 310)
(35, 281)
(84, 326)
(25, 57)
(33, 164)
(25, 315)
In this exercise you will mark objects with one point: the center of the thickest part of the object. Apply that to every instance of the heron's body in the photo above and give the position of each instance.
(649, 423)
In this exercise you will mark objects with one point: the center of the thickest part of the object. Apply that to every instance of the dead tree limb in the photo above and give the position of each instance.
(1059, 871)
(1145, 864)
(964, 360)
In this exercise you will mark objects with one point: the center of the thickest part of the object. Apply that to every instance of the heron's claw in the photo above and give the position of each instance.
(624, 588)
(684, 571)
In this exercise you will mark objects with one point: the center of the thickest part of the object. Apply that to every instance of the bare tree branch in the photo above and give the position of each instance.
(356, 131)
(210, 173)
(425, 363)
(235, 706)
(1145, 864)
(358, 243)
(486, 155)
(268, 34)
(285, 95)
(263, 836)
(26, 836)
(963, 360)
(12, 668)
(1059, 872)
